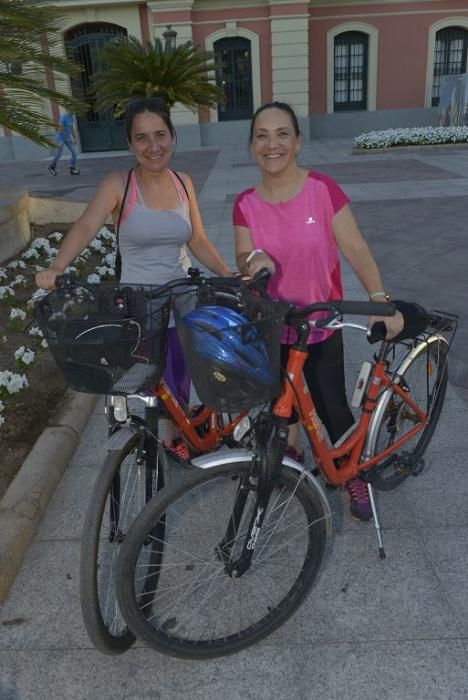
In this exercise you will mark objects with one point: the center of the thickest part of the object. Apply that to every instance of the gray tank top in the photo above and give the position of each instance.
(152, 241)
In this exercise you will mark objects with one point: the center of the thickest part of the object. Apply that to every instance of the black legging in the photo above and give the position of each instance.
(325, 378)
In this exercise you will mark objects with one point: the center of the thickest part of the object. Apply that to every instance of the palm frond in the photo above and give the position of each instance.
(134, 70)
(30, 42)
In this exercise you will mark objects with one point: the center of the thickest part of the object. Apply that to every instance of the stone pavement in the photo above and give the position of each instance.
(394, 629)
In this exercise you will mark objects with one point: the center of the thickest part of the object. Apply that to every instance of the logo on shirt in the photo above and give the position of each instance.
(310, 220)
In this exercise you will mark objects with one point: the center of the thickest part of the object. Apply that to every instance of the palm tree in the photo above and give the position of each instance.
(133, 69)
(29, 52)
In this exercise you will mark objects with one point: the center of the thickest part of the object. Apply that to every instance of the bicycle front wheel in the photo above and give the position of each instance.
(424, 374)
(128, 479)
(199, 610)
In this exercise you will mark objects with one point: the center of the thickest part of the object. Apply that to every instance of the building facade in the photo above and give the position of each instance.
(346, 67)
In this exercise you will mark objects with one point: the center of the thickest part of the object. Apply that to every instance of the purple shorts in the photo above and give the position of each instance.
(176, 374)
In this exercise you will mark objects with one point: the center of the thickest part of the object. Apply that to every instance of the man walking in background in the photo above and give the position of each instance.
(65, 137)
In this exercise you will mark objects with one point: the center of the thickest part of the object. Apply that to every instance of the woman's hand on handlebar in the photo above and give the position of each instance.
(393, 324)
(45, 279)
(260, 261)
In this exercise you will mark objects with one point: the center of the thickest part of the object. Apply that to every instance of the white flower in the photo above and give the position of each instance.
(424, 135)
(44, 344)
(17, 313)
(12, 383)
(2, 421)
(6, 292)
(15, 264)
(41, 244)
(93, 279)
(106, 235)
(31, 254)
(24, 356)
(109, 260)
(38, 268)
(36, 331)
(70, 270)
(4, 339)
(97, 246)
(105, 272)
(19, 281)
(56, 236)
(3, 274)
(2, 406)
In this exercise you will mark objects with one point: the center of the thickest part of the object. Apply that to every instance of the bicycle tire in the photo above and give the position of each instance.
(124, 486)
(204, 492)
(424, 375)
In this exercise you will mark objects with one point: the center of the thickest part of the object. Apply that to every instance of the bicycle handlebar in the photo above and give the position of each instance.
(338, 307)
(197, 280)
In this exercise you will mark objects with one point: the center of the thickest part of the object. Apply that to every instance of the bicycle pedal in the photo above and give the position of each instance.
(417, 467)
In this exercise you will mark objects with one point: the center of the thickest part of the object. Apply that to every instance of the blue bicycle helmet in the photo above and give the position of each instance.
(231, 354)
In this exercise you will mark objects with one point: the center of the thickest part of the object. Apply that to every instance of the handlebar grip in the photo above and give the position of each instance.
(376, 333)
(367, 308)
(260, 281)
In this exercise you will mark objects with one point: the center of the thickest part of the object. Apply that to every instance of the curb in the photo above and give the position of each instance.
(412, 148)
(26, 499)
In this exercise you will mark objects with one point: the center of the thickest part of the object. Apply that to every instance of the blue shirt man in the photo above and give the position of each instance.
(67, 128)
(65, 138)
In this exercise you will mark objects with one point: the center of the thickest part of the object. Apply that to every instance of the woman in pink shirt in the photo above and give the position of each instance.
(295, 223)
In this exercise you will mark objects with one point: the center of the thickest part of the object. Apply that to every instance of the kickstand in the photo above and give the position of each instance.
(376, 521)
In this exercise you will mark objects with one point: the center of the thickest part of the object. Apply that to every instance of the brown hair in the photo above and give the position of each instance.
(156, 105)
(276, 105)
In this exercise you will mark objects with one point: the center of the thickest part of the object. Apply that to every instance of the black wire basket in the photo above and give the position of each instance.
(106, 339)
(233, 355)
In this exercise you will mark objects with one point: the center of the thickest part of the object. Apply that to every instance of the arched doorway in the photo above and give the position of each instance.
(99, 131)
(234, 76)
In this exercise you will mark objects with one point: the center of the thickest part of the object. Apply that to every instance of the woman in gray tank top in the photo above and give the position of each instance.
(159, 216)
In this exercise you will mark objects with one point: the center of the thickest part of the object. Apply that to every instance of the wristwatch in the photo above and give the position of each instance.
(379, 294)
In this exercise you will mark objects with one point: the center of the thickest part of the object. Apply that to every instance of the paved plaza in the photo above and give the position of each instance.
(371, 630)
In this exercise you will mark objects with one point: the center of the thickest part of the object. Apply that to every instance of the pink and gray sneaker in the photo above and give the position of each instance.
(292, 453)
(359, 503)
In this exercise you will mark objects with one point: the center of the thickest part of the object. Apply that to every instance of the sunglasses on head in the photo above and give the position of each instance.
(142, 102)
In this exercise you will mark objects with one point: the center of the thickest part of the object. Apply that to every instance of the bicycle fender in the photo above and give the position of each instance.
(380, 408)
(208, 461)
(119, 439)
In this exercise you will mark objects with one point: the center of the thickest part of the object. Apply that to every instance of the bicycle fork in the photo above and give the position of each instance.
(269, 463)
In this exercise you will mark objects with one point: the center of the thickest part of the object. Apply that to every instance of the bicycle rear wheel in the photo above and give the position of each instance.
(198, 609)
(128, 479)
(424, 375)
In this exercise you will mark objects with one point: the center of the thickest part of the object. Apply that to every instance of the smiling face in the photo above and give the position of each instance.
(151, 141)
(274, 141)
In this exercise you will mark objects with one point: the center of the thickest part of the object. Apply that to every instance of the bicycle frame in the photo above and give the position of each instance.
(340, 464)
(188, 426)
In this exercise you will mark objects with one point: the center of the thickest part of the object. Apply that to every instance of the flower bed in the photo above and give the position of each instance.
(417, 136)
(30, 386)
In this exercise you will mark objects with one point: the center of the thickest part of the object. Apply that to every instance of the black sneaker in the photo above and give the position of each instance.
(75, 171)
(52, 169)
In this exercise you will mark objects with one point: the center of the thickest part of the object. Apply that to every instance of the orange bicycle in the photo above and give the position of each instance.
(245, 531)
(111, 339)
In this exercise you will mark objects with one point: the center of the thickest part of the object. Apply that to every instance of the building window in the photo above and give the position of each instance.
(449, 57)
(234, 76)
(350, 71)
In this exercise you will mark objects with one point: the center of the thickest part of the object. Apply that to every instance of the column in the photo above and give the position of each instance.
(178, 14)
(290, 54)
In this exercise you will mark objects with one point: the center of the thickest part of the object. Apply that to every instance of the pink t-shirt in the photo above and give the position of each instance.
(298, 236)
